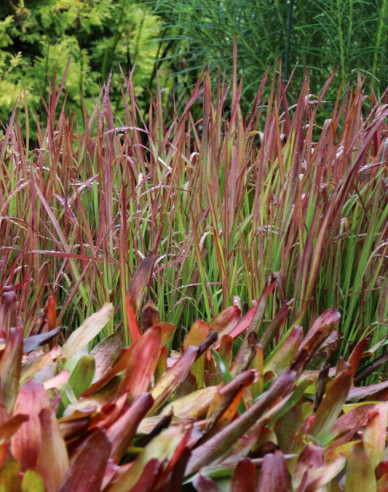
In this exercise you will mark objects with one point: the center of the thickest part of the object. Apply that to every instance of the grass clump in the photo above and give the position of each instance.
(224, 252)
(219, 203)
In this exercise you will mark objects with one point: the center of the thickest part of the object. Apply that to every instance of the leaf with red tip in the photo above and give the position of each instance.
(202, 483)
(133, 325)
(149, 315)
(106, 353)
(53, 460)
(357, 352)
(173, 378)
(51, 311)
(89, 329)
(244, 476)
(319, 477)
(331, 406)
(311, 457)
(282, 356)
(197, 334)
(11, 426)
(227, 399)
(149, 477)
(352, 421)
(274, 475)
(10, 367)
(162, 448)
(360, 392)
(222, 442)
(194, 405)
(317, 334)
(121, 432)
(138, 282)
(225, 321)
(273, 328)
(243, 324)
(375, 434)
(359, 470)
(142, 363)
(87, 467)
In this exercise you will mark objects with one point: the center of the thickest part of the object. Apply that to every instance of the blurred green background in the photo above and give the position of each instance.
(176, 39)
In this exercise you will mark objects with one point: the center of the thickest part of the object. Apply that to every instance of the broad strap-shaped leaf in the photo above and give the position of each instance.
(126, 357)
(319, 477)
(281, 357)
(121, 432)
(244, 476)
(40, 362)
(244, 323)
(375, 434)
(225, 321)
(331, 406)
(317, 334)
(357, 352)
(227, 399)
(89, 329)
(274, 475)
(193, 405)
(106, 354)
(360, 392)
(359, 470)
(173, 378)
(133, 325)
(162, 448)
(221, 443)
(149, 477)
(53, 460)
(10, 367)
(80, 379)
(25, 444)
(273, 328)
(9, 428)
(202, 483)
(142, 363)
(87, 467)
(351, 422)
(311, 457)
(149, 314)
(197, 334)
(138, 282)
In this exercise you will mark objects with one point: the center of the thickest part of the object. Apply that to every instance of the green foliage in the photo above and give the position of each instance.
(220, 204)
(349, 34)
(37, 38)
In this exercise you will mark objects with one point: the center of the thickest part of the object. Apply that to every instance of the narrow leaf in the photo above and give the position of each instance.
(10, 367)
